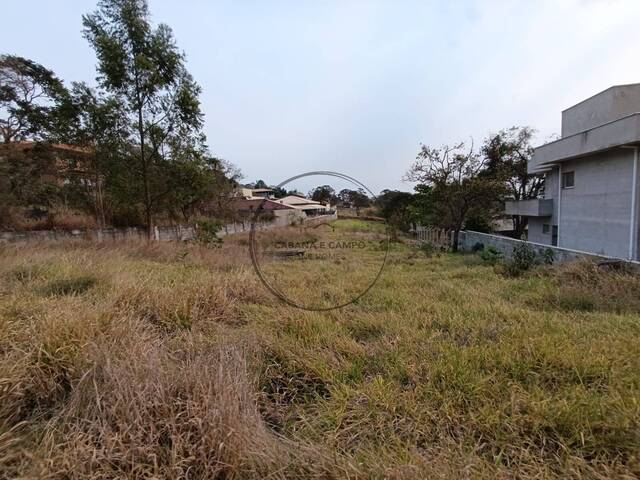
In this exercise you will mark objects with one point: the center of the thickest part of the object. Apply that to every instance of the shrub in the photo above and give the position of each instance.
(523, 258)
(207, 232)
(586, 286)
(548, 256)
(491, 254)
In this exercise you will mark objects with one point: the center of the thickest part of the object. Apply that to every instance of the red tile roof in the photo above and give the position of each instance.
(254, 203)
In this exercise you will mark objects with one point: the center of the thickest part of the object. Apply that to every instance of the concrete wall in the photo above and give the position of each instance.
(171, 233)
(612, 104)
(534, 207)
(536, 233)
(469, 239)
(320, 219)
(287, 217)
(105, 234)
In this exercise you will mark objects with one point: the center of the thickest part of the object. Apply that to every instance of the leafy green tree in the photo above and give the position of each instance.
(196, 183)
(97, 123)
(217, 196)
(354, 199)
(143, 66)
(459, 188)
(508, 153)
(28, 176)
(323, 194)
(421, 208)
(31, 99)
(279, 192)
(395, 207)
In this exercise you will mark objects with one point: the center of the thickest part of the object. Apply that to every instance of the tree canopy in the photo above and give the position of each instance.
(140, 131)
(324, 194)
(143, 66)
(507, 154)
(459, 190)
(31, 99)
(353, 198)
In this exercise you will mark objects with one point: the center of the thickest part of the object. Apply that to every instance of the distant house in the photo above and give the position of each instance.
(255, 203)
(56, 164)
(247, 192)
(308, 206)
(591, 178)
(64, 160)
(246, 201)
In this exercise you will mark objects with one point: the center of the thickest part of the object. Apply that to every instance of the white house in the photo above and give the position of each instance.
(308, 206)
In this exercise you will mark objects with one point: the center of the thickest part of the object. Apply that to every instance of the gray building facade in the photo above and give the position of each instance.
(590, 199)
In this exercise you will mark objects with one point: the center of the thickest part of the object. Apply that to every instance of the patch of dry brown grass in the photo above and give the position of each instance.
(174, 362)
(150, 408)
(137, 375)
(587, 286)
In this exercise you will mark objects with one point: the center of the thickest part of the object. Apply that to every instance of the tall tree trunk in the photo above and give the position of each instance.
(99, 201)
(519, 225)
(145, 174)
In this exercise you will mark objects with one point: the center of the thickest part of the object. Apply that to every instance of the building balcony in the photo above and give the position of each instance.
(621, 132)
(537, 207)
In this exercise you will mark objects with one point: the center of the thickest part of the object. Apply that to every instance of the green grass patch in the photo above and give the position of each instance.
(76, 285)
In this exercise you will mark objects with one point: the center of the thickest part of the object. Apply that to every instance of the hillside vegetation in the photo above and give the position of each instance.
(173, 361)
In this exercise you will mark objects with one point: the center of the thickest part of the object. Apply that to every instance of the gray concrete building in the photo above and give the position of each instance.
(590, 199)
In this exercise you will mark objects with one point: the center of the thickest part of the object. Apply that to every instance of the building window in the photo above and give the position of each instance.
(546, 228)
(568, 180)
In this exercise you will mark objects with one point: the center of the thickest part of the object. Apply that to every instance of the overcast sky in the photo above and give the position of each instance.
(356, 86)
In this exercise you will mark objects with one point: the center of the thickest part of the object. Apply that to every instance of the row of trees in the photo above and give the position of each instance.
(457, 186)
(346, 198)
(142, 127)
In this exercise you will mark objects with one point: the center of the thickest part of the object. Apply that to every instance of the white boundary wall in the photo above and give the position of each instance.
(468, 239)
(170, 233)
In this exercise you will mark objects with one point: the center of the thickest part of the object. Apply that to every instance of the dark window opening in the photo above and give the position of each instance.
(546, 228)
(568, 180)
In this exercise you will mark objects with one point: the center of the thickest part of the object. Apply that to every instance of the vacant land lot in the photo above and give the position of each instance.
(136, 360)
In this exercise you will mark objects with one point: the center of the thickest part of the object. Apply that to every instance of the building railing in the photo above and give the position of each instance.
(535, 207)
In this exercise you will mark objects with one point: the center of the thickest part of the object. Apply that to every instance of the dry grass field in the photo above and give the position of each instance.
(173, 361)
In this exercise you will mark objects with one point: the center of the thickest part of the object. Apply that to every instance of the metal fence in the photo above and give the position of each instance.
(436, 237)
